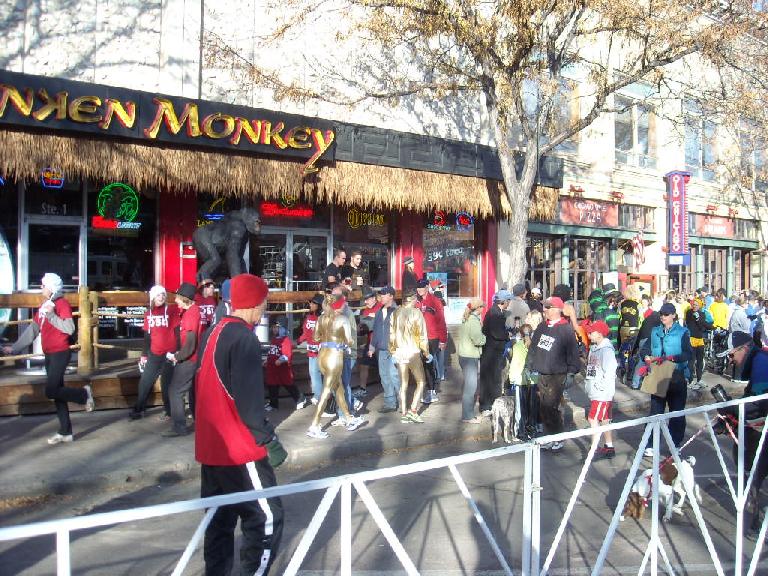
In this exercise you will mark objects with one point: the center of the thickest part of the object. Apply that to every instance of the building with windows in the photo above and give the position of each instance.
(114, 156)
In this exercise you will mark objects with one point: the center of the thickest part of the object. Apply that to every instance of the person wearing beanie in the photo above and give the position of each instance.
(335, 334)
(600, 384)
(235, 444)
(206, 301)
(492, 356)
(409, 279)
(184, 360)
(670, 342)
(54, 323)
(160, 326)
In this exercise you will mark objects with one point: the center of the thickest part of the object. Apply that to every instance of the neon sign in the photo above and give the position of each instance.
(52, 178)
(117, 207)
(464, 221)
(273, 209)
(356, 218)
(677, 215)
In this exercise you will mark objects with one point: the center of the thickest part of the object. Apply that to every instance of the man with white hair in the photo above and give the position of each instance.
(55, 324)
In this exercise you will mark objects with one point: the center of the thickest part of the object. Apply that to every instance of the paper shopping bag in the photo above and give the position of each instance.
(658, 379)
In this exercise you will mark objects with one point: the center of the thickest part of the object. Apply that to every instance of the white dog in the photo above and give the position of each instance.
(673, 481)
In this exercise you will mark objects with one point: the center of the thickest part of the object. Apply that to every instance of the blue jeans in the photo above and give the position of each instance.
(315, 377)
(346, 380)
(390, 379)
(470, 367)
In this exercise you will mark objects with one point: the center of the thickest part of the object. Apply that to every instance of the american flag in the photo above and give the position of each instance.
(638, 248)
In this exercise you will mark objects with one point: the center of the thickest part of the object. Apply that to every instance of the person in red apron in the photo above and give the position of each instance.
(234, 442)
(55, 324)
(160, 338)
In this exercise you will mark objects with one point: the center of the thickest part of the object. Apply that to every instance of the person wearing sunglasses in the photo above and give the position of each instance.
(670, 341)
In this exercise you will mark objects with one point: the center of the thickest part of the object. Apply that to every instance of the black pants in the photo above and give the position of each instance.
(529, 411)
(261, 521)
(491, 366)
(55, 366)
(676, 397)
(183, 382)
(274, 394)
(157, 365)
(551, 388)
(429, 372)
(696, 364)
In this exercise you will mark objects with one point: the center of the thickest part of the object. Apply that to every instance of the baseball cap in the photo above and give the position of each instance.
(667, 308)
(554, 302)
(423, 283)
(536, 291)
(502, 296)
(387, 290)
(738, 339)
(186, 290)
(318, 299)
(368, 293)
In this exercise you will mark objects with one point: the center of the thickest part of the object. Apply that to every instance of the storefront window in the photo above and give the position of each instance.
(636, 217)
(682, 279)
(449, 252)
(366, 231)
(542, 253)
(715, 260)
(588, 260)
(121, 237)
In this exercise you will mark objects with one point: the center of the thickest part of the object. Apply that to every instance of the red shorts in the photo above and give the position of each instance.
(600, 410)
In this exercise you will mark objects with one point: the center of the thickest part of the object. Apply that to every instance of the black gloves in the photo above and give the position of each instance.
(569, 380)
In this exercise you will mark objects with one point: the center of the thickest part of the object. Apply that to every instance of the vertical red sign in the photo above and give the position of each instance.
(677, 218)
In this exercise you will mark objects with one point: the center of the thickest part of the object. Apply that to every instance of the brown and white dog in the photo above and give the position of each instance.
(673, 481)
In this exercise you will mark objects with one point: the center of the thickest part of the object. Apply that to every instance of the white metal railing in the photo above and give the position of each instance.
(530, 563)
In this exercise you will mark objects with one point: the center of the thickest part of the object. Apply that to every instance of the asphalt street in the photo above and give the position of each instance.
(426, 511)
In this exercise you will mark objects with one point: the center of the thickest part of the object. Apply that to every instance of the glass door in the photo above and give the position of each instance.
(308, 251)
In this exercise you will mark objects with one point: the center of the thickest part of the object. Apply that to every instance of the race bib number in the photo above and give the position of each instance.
(546, 342)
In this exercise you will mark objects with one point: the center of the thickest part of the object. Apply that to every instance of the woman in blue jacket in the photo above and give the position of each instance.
(670, 341)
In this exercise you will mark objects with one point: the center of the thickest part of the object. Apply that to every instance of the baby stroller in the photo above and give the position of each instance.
(716, 345)
(628, 337)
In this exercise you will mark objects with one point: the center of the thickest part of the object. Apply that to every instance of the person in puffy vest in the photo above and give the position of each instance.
(235, 444)
(54, 323)
(670, 341)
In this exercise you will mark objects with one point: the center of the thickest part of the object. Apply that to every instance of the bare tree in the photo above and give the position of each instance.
(519, 60)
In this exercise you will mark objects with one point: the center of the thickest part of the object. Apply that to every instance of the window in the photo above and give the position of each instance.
(754, 161)
(699, 144)
(588, 260)
(449, 252)
(636, 217)
(747, 229)
(543, 255)
(366, 231)
(715, 260)
(634, 133)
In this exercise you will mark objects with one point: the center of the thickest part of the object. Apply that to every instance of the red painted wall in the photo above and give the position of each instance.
(177, 217)
(490, 249)
(409, 242)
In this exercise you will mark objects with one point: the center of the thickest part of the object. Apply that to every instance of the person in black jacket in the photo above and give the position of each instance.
(492, 357)
(554, 356)
(697, 324)
(409, 276)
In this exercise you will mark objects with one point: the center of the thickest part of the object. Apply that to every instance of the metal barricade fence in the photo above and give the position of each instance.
(531, 557)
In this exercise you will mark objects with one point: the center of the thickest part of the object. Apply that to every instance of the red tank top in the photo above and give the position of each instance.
(221, 438)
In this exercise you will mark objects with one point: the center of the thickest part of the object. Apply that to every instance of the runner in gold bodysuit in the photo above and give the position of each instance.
(407, 342)
(336, 338)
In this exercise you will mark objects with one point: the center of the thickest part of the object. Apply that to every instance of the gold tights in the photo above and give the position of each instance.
(331, 364)
(415, 367)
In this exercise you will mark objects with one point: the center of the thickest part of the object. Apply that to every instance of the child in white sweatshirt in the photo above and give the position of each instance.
(601, 384)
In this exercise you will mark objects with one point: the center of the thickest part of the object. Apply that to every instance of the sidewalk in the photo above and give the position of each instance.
(111, 451)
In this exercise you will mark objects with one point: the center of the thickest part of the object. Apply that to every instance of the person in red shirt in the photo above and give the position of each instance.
(160, 323)
(235, 444)
(279, 369)
(55, 324)
(437, 332)
(206, 301)
(185, 359)
(308, 336)
(364, 332)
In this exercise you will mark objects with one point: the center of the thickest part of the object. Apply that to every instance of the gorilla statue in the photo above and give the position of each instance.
(225, 239)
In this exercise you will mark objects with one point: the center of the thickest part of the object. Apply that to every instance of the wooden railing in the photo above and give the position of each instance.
(86, 303)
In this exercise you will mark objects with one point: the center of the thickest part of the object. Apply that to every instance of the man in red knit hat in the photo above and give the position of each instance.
(234, 442)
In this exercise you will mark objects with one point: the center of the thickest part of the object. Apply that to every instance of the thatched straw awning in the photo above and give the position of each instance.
(183, 171)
